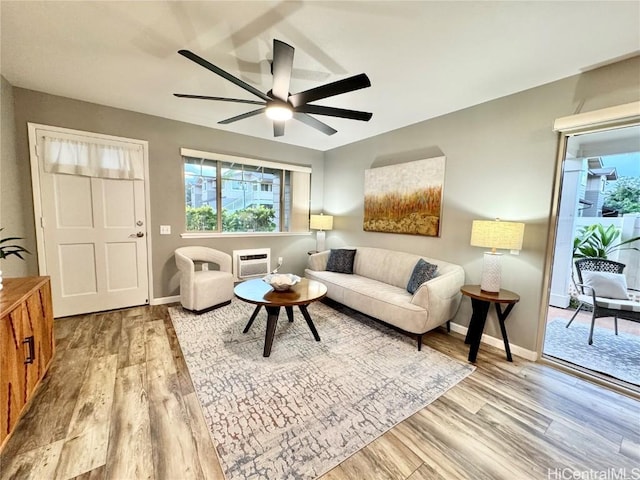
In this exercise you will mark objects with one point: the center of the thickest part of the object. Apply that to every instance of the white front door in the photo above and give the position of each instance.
(93, 240)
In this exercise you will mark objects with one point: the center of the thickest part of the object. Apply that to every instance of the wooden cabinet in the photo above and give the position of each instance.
(26, 344)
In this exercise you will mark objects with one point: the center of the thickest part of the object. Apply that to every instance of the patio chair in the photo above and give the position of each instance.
(603, 287)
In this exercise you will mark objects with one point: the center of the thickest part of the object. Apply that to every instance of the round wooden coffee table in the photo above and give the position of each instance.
(260, 293)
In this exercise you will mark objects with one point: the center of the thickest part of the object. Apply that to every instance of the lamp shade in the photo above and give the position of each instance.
(321, 222)
(497, 234)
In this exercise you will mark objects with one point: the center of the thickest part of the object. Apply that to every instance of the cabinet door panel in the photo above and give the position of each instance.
(12, 385)
(26, 334)
(32, 319)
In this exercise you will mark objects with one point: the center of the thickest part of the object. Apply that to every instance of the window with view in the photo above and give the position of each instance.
(233, 194)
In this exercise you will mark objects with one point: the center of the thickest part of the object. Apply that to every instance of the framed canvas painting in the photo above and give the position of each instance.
(405, 198)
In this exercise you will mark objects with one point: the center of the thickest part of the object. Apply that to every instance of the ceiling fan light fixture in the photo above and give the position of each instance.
(279, 112)
(278, 103)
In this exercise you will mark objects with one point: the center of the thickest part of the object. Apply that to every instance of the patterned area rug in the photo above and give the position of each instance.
(310, 405)
(614, 355)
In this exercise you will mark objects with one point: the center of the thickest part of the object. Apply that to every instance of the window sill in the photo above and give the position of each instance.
(242, 234)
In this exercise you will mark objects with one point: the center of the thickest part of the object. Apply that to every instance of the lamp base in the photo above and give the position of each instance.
(320, 235)
(491, 272)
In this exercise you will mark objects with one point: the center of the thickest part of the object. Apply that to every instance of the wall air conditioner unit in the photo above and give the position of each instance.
(251, 263)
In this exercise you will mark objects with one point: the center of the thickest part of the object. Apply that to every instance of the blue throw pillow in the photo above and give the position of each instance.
(422, 272)
(341, 260)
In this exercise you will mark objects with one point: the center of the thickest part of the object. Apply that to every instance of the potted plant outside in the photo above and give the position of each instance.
(596, 241)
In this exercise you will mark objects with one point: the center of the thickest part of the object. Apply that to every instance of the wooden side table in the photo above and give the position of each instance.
(480, 302)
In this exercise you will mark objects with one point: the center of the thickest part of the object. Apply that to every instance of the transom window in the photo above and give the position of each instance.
(234, 194)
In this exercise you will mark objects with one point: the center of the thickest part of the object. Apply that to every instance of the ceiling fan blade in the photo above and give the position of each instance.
(244, 115)
(217, 70)
(335, 112)
(221, 99)
(281, 68)
(331, 89)
(312, 122)
(278, 128)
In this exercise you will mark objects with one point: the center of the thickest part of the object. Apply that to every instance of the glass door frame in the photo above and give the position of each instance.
(589, 122)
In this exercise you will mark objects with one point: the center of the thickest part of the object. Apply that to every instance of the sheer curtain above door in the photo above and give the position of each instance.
(81, 157)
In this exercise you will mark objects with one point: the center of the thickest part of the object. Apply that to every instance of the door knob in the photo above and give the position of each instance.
(139, 234)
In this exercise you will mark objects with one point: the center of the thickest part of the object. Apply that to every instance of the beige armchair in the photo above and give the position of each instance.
(203, 290)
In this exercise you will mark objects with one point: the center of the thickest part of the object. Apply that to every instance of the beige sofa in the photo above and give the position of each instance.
(378, 284)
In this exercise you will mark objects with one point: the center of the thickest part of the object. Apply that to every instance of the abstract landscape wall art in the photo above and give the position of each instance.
(405, 198)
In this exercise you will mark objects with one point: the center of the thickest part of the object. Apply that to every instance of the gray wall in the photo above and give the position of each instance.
(501, 161)
(165, 138)
(12, 192)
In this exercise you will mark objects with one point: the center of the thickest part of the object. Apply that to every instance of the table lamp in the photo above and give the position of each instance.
(495, 234)
(321, 223)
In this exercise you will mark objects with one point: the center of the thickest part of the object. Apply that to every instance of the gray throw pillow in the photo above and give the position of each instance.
(341, 260)
(422, 272)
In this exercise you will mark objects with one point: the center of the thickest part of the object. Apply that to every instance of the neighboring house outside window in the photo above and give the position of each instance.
(226, 194)
(596, 180)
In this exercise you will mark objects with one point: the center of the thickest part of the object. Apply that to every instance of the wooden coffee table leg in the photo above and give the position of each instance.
(289, 311)
(253, 317)
(307, 317)
(272, 321)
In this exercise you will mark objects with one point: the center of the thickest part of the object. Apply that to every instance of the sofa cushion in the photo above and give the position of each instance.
(376, 299)
(386, 266)
(422, 272)
(341, 260)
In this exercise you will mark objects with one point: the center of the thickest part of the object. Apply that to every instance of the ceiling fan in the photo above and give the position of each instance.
(278, 103)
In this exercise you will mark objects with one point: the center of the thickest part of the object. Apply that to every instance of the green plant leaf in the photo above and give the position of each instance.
(8, 250)
(599, 242)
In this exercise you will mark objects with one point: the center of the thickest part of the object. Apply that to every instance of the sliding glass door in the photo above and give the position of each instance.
(598, 213)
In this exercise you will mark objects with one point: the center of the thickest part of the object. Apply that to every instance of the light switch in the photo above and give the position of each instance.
(165, 229)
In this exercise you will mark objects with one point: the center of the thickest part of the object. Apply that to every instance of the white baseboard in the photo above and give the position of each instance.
(499, 343)
(165, 300)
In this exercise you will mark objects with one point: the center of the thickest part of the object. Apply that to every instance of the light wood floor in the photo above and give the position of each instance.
(118, 403)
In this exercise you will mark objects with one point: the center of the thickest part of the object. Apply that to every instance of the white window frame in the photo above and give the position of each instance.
(188, 152)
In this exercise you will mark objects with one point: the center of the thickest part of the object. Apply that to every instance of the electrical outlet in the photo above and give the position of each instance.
(279, 260)
(165, 229)
(515, 252)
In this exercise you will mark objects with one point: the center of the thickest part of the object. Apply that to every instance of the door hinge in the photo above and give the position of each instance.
(42, 222)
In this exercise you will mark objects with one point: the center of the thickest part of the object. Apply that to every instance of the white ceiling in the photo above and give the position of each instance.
(424, 59)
